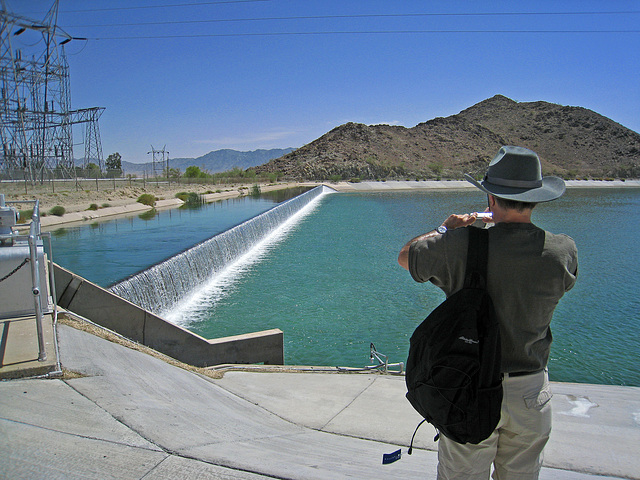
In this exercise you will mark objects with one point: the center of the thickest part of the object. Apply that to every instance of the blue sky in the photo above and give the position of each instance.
(198, 75)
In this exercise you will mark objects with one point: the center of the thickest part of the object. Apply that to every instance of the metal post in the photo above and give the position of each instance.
(35, 278)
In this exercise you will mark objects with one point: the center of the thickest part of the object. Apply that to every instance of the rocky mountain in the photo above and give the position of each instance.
(572, 142)
(214, 162)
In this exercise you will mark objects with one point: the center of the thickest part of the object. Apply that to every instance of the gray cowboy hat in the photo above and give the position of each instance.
(515, 174)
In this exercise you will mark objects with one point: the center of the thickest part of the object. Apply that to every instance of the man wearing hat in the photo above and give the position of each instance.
(528, 272)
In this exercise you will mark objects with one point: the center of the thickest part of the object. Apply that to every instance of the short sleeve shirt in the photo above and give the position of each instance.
(528, 271)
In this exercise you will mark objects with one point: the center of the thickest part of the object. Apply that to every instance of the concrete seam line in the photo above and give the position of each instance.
(88, 437)
(128, 427)
(154, 467)
(348, 405)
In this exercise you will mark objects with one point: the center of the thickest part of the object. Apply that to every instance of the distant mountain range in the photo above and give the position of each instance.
(572, 142)
(213, 162)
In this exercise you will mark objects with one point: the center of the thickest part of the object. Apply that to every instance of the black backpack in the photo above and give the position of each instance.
(453, 374)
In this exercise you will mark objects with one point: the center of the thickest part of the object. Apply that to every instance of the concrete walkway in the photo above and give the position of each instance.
(134, 416)
(392, 185)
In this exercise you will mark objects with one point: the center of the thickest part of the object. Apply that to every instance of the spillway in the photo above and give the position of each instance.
(163, 285)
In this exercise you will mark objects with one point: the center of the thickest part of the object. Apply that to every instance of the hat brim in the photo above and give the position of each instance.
(552, 188)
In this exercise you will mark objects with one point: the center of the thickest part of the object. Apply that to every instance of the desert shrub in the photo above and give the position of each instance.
(25, 215)
(93, 206)
(255, 191)
(436, 167)
(58, 211)
(193, 200)
(190, 199)
(147, 199)
(105, 205)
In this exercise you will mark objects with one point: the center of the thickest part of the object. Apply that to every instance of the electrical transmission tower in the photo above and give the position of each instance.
(160, 162)
(36, 120)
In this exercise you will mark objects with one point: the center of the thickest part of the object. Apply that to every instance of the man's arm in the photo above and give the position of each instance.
(452, 222)
(403, 256)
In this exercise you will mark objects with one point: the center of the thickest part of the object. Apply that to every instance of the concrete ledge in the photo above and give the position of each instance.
(19, 347)
(392, 185)
(91, 215)
(88, 215)
(110, 311)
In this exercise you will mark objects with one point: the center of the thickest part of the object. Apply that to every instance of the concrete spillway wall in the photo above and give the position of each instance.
(88, 300)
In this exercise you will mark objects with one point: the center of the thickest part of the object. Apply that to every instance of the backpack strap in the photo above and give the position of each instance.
(477, 254)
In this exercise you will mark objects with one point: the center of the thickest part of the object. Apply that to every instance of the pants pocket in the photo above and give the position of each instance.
(540, 399)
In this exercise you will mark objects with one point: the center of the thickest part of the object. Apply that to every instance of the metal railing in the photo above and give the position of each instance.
(383, 361)
(31, 239)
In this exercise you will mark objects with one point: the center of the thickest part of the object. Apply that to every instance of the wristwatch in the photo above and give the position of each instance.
(441, 229)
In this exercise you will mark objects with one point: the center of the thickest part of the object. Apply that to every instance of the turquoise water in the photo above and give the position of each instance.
(109, 251)
(333, 284)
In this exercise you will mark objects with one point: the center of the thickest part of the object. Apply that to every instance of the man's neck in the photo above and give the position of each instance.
(508, 215)
(512, 216)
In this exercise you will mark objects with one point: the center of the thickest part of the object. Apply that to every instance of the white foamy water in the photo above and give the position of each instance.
(199, 301)
(164, 286)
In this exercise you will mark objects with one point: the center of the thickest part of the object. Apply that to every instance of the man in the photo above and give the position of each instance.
(528, 271)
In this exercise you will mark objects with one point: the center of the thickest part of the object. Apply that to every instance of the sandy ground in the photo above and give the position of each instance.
(78, 198)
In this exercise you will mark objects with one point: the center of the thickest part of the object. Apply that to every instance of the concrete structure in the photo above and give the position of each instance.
(19, 349)
(104, 308)
(127, 415)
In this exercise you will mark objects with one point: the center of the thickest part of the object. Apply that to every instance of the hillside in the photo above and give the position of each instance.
(214, 162)
(572, 142)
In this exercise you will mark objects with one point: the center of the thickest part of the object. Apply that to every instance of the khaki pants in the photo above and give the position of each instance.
(515, 447)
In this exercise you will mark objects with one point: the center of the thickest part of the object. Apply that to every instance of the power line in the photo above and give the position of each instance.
(342, 17)
(141, 7)
(368, 32)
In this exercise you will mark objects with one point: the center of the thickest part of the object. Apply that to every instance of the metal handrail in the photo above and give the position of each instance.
(383, 361)
(32, 239)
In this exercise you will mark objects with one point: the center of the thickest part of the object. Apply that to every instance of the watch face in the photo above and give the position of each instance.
(441, 229)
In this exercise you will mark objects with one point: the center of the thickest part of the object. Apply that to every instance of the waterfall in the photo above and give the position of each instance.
(162, 286)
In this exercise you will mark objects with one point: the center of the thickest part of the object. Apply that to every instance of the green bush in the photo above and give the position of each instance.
(195, 172)
(58, 211)
(147, 199)
(93, 206)
(194, 200)
(25, 215)
(190, 199)
(255, 191)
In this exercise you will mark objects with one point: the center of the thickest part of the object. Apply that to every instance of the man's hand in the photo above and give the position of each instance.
(452, 222)
(456, 221)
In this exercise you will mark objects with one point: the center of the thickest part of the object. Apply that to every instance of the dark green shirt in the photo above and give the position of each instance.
(528, 271)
